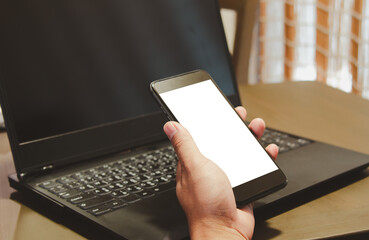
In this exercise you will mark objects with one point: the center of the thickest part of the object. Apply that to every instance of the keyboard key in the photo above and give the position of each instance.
(99, 210)
(65, 180)
(147, 185)
(169, 170)
(95, 201)
(130, 182)
(88, 180)
(141, 170)
(131, 198)
(81, 197)
(104, 168)
(105, 190)
(144, 177)
(116, 185)
(162, 180)
(156, 174)
(134, 189)
(69, 193)
(115, 204)
(109, 179)
(167, 162)
(115, 171)
(132, 173)
(165, 187)
(91, 171)
(73, 184)
(120, 193)
(79, 175)
(58, 189)
(86, 187)
(96, 191)
(155, 166)
(90, 186)
(293, 145)
(117, 178)
(303, 141)
(145, 193)
(283, 149)
(99, 183)
(100, 175)
(170, 177)
(49, 184)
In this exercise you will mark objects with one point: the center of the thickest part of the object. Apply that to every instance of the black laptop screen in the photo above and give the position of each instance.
(75, 64)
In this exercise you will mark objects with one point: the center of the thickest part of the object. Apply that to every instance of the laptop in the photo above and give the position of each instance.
(85, 133)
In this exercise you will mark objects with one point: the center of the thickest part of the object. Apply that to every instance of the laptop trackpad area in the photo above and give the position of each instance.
(160, 217)
(312, 165)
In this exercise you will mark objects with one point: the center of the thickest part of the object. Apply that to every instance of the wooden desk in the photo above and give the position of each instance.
(318, 112)
(308, 109)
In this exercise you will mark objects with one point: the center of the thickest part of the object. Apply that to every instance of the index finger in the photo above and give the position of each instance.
(241, 112)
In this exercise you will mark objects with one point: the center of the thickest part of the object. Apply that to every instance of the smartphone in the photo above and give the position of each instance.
(194, 100)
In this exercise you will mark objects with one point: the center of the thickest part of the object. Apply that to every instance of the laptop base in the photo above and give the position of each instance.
(162, 217)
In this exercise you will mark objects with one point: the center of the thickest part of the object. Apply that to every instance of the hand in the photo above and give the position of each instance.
(204, 190)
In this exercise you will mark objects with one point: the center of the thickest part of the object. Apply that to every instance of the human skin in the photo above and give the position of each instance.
(211, 211)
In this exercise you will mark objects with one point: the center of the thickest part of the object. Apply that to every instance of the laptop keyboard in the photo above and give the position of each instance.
(284, 141)
(111, 186)
(114, 185)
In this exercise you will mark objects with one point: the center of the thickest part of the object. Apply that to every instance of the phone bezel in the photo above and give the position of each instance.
(246, 192)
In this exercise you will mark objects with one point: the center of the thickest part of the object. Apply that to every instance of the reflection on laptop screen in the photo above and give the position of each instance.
(91, 62)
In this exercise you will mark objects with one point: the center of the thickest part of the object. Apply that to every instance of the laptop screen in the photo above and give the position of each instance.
(75, 65)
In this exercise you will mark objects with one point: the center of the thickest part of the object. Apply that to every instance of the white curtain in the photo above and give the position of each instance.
(324, 40)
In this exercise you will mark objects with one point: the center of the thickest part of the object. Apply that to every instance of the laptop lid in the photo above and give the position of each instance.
(74, 74)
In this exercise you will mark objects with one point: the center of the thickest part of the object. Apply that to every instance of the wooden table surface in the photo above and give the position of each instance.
(315, 111)
(308, 109)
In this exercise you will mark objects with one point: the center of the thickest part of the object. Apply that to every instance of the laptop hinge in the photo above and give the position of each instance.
(37, 172)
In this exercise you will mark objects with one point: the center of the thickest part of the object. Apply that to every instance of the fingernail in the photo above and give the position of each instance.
(170, 130)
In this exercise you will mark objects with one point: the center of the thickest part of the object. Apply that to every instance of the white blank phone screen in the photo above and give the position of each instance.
(218, 131)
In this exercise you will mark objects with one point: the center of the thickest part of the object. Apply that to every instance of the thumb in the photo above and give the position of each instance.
(184, 145)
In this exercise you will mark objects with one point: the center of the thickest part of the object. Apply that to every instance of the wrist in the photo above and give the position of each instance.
(212, 229)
